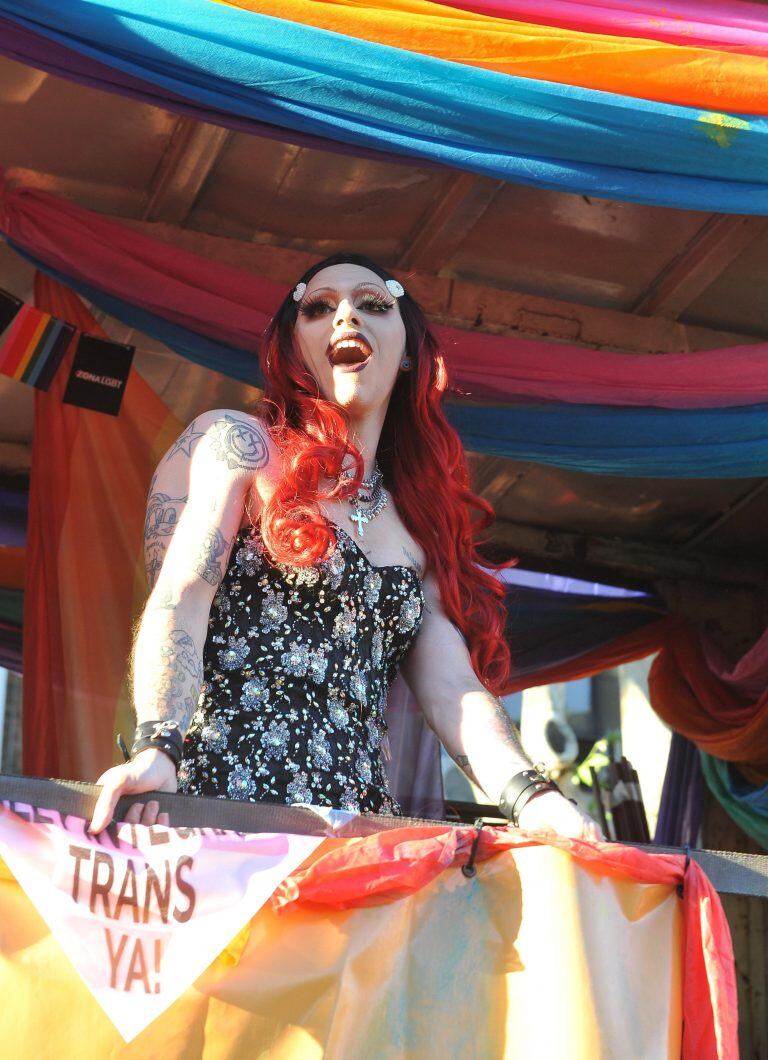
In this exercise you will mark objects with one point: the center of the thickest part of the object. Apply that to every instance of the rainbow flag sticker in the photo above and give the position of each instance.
(32, 343)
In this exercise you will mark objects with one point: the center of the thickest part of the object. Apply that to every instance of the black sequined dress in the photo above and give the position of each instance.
(297, 666)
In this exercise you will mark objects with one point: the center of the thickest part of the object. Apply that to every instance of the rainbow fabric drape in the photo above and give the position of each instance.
(669, 123)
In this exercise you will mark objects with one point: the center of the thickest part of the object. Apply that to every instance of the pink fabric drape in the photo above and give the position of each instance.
(748, 676)
(722, 25)
(233, 307)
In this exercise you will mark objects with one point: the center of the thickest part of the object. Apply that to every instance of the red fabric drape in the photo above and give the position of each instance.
(710, 711)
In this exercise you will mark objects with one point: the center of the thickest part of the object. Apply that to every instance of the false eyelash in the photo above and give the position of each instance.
(313, 307)
(375, 302)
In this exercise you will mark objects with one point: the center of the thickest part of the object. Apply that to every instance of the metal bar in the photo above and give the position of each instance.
(730, 873)
(631, 559)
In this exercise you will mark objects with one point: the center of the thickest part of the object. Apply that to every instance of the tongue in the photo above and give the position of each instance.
(349, 355)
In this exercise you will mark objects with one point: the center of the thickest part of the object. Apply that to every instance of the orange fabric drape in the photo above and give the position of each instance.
(693, 701)
(670, 73)
(84, 583)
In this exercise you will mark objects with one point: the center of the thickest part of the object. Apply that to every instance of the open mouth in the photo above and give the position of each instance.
(350, 351)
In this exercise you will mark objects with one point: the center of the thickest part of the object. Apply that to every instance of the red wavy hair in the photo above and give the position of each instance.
(423, 463)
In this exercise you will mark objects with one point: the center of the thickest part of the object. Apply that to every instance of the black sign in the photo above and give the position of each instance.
(9, 307)
(99, 374)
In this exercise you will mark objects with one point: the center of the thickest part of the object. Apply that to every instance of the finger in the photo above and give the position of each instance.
(104, 809)
(151, 809)
(133, 814)
(164, 818)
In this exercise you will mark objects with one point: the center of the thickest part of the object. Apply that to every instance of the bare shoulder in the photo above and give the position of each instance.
(238, 440)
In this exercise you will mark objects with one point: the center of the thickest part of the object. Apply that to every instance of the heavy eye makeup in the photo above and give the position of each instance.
(371, 301)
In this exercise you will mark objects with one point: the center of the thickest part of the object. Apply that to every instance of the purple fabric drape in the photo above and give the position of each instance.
(415, 774)
(682, 797)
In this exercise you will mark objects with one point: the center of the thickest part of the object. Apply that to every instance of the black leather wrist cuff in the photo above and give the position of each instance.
(162, 736)
(520, 790)
(156, 745)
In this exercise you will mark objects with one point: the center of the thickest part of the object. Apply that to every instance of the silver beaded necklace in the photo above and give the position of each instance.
(370, 493)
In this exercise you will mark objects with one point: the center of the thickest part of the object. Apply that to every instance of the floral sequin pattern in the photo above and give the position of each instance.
(297, 665)
(214, 734)
(234, 654)
(273, 611)
(372, 588)
(240, 784)
(410, 613)
(345, 626)
(250, 558)
(255, 693)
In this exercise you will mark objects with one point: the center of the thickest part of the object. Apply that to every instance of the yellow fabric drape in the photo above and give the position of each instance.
(647, 69)
(536, 956)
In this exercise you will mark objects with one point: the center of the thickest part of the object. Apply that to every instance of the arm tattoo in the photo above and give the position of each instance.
(162, 516)
(239, 444)
(463, 763)
(184, 442)
(414, 563)
(173, 685)
(508, 727)
(208, 563)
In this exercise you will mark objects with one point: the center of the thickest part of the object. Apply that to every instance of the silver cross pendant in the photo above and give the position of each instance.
(360, 519)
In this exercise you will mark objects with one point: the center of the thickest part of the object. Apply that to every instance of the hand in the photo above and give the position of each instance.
(150, 770)
(552, 812)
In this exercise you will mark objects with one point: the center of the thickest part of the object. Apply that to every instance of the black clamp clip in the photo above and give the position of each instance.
(681, 885)
(469, 869)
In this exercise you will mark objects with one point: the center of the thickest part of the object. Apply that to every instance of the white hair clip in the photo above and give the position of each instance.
(298, 292)
(395, 288)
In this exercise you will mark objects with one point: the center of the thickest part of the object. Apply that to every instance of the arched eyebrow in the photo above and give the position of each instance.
(357, 287)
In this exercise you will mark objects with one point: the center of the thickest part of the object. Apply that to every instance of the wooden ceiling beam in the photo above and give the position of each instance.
(193, 150)
(623, 559)
(705, 257)
(446, 225)
(469, 305)
(719, 519)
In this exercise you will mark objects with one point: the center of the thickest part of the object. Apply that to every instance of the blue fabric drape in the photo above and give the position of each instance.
(301, 78)
(745, 803)
(546, 628)
(657, 443)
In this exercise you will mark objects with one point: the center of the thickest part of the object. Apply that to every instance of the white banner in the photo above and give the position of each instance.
(143, 910)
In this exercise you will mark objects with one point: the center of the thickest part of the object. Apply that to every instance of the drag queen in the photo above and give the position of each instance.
(300, 557)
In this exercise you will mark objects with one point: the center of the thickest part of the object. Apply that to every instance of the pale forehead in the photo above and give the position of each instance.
(344, 279)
